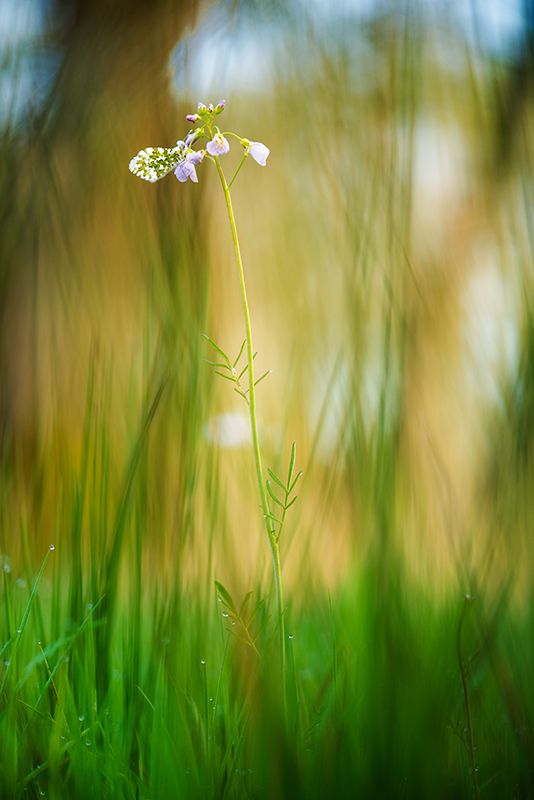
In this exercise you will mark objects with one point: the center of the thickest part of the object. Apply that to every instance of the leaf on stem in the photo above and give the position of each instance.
(269, 371)
(234, 365)
(239, 621)
(291, 462)
(272, 494)
(216, 346)
(276, 479)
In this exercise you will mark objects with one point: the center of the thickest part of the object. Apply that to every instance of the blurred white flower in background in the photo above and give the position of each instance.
(231, 429)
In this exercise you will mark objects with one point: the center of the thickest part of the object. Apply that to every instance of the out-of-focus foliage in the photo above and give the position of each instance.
(388, 247)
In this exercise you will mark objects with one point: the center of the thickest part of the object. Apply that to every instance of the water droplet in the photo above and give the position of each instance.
(6, 568)
(225, 614)
(89, 606)
(233, 622)
(51, 547)
(38, 642)
(467, 596)
(7, 664)
(21, 583)
(290, 636)
(87, 743)
(81, 718)
(19, 631)
(202, 661)
(211, 700)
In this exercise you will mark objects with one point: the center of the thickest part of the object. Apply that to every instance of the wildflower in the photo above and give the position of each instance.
(186, 167)
(192, 117)
(218, 145)
(258, 151)
(191, 136)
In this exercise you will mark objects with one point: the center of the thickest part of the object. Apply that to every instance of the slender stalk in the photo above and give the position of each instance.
(273, 541)
(471, 747)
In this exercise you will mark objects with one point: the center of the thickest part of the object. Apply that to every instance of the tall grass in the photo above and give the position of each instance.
(389, 257)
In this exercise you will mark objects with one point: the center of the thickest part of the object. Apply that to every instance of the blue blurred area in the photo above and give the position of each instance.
(245, 53)
(242, 48)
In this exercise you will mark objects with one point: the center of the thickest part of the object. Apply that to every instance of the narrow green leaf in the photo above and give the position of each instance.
(216, 346)
(216, 364)
(240, 353)
(24, 620)
(244, 604)
(298, 476)
(245, 368)
(262, 377)
(291, 502)
(225, 597)
(242, 373)
(276, 479)
(274, 497)
(291, 462)
(226, 377)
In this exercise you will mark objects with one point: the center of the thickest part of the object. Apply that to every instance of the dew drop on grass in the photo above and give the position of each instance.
(7, 664)
(51, 547)
(202, 661)
(290, 636)
(81, 718)
(19, 631)
(87, 743)
(225, 613)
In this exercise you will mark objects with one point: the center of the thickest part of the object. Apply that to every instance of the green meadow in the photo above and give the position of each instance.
(388, 249)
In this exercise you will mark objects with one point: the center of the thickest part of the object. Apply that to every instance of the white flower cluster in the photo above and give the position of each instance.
(154, 163)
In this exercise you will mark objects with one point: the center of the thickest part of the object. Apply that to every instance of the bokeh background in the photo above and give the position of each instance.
(388, 246)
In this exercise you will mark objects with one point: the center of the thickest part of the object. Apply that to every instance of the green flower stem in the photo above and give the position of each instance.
(269, 524)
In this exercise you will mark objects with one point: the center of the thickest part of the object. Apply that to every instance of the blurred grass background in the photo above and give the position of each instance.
(388, 249)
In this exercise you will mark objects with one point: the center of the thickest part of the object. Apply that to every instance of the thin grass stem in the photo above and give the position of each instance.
(269, 525)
